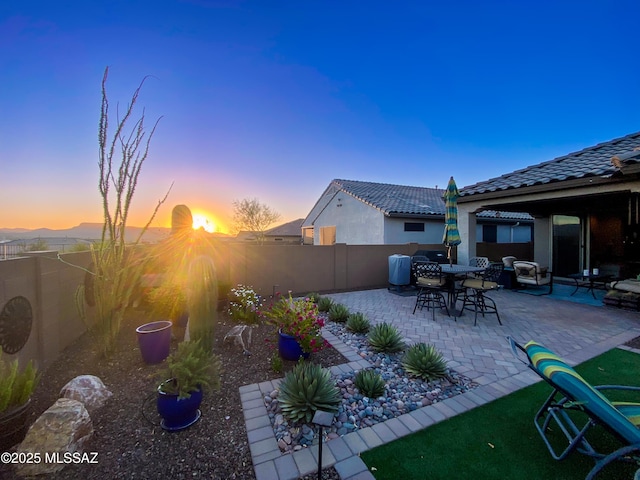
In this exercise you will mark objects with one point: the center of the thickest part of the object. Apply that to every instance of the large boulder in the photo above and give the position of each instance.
(87, 389)
(63, 429)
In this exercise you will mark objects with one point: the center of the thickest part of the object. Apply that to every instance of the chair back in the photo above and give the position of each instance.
(565, 379)
(481, 262)
(492, 272)
(428, 270)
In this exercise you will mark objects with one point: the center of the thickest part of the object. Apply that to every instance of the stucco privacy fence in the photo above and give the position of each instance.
(49, 285)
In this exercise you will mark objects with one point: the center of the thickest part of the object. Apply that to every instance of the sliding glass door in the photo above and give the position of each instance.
(567, 245)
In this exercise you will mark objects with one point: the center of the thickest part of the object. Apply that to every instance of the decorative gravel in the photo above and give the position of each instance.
(403, 394)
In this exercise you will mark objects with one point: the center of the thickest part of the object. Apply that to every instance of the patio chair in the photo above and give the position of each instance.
(414, 260)
(432, 283)
(476, 288)
(532, 274)
(482, 262)
(574, 401)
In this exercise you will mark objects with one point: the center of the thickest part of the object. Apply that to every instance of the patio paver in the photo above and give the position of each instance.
(576, 332)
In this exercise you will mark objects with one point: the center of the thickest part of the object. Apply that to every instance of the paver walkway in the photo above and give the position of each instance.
(574, 331)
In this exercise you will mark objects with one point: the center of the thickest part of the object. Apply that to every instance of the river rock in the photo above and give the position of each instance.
(87, 389)
(64, 428)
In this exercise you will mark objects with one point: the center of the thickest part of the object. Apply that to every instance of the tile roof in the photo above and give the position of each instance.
(593, 161)
(504, 215)
(289, 229)
(398, 200)
(395, 199)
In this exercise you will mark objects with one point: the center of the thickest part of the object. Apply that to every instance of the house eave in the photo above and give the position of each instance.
(540, 188)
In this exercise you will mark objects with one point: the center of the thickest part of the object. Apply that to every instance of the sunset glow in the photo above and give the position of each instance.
(202, 221)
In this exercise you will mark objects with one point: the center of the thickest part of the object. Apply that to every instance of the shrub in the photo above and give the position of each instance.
(424, 361)
(370, 383)
(384, 337)
(338, 313)
(191, 367)
(16, 386)
(244, 305)
(324, 304)
(358, 323)
(305, 389)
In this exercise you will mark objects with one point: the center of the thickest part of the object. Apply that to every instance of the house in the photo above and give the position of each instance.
(287, 233)
(368, 213)
(586, 207)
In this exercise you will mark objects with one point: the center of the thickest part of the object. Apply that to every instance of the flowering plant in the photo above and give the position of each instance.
(300, 319)
(244, 305)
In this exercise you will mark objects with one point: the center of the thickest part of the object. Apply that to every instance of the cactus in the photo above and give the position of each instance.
(424, 361)
(305, 389)
(202, 300)
(384, 337)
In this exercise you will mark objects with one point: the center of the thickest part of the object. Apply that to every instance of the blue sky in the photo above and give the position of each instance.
(274, 99)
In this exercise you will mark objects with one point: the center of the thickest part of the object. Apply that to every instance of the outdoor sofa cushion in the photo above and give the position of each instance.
(531, 273)
(629, 285)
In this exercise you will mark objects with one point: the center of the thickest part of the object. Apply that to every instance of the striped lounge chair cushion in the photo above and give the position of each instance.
(622, 417)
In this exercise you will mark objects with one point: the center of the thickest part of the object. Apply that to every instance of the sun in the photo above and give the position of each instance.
(201, 221)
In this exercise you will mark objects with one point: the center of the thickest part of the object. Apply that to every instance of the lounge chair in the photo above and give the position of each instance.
(574, 401)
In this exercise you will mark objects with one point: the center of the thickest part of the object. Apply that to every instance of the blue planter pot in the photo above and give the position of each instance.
(154, 340)
(289, 348)
(178, 413)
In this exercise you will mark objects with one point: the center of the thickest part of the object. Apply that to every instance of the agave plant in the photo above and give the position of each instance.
(369, 383)
(384, 337)
(338, 313)
(314, 297)
(424, 361)
(358, 323)
(324, 304)
(305, 389)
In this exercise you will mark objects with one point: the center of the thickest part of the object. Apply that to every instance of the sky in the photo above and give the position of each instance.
(273, 99)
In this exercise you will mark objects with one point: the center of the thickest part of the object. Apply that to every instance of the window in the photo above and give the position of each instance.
(490, 233)
(414, 226)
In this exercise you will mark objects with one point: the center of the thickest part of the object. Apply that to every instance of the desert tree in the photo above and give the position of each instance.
(253, 216)
(117, 265)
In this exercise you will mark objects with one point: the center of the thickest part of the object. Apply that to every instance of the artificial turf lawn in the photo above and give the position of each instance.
(499, 441)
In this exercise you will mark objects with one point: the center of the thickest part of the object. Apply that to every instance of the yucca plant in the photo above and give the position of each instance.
(338, 313)
(384, 337)
(358, 323)
(324, 304)
(305, 389)
(424, 361)
(369, 383)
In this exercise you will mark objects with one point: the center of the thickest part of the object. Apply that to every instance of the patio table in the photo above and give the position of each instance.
(589, 282)
(451, 271)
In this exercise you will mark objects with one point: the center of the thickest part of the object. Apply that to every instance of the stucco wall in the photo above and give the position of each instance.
(49, 285)
(394, 231)
(356, 223)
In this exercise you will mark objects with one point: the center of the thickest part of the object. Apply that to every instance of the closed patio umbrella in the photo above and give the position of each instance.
(451, 234)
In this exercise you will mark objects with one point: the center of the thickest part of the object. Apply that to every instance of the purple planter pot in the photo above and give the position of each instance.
(154, 340)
